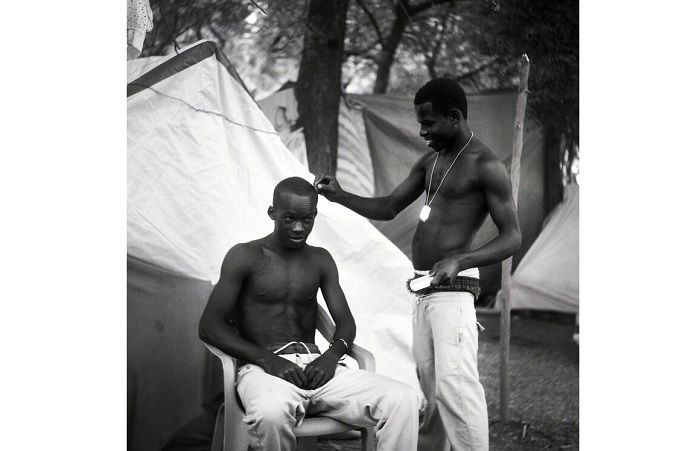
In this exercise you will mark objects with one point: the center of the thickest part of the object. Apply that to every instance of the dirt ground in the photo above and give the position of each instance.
(544, 400)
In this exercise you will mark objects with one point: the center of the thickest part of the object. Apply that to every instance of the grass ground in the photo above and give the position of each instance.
(544, 401)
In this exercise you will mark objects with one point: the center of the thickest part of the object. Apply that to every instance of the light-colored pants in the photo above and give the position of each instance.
(360, 398)
(445, 343)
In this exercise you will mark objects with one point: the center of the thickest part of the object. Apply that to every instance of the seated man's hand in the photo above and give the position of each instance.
(327, 186)
(320, 370)
(284, 369)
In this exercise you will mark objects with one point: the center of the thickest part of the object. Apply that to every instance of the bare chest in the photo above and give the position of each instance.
(459, 181)
(276, 279)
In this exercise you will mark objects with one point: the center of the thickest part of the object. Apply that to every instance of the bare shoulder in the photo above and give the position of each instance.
(422, 161)
(324, 263)
(243, 255)
(490, 168)
(323, 260)
(320, 254)
(486, 156)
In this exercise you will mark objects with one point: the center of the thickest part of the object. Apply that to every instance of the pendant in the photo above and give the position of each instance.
(424, 213)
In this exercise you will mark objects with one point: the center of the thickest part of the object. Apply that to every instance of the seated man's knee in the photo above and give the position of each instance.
(403, 396)
(270, 414)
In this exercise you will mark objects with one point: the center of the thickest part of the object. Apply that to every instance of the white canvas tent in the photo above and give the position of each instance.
(547, 277)
(202, 161)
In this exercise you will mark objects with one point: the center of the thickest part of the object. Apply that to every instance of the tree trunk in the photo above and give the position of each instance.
(385, 59)
(318, 88)
(553, 188)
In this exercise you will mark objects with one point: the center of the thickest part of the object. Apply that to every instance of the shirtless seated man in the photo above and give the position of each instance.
(268, 288)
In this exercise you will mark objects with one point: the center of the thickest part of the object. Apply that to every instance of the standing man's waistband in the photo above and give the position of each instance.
(466, 281)
(469, 272)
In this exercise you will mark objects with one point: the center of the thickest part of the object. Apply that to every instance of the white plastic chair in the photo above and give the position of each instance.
(235, 436)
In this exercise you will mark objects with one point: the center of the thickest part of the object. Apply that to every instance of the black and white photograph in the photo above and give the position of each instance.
(352, 225)
(345, 225)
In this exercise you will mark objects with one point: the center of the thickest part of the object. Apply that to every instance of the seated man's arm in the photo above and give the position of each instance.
(322, 369)
(215, 329)
(381, 208)
(495, 183)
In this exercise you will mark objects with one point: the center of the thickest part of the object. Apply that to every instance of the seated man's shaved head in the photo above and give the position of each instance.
(293, 185)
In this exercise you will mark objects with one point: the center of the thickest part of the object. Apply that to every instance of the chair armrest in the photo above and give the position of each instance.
(229, 364)
(324, 324)
(230, 367)
(234, 434)
(364, 358)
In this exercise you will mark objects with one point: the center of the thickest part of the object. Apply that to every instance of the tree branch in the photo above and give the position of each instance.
(469, 75)
(361, 52)
(258, 6)
(419, 8)
(405, 6)
(432, 61)
(219, 37)
(290, 36)
(373, 20)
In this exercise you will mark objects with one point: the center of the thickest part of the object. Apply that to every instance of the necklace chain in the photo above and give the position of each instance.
(427, 197)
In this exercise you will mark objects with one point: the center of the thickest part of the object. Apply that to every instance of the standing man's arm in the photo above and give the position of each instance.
(215, 329)
(322, 369)
(381, 208)
(495, 183)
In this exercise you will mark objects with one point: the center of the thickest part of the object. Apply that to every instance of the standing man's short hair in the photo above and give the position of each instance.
(444, 94)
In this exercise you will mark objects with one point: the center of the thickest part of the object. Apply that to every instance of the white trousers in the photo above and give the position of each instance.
(360, 398)
(445, 343)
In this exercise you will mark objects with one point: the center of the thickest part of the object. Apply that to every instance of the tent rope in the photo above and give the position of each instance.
(201, 110)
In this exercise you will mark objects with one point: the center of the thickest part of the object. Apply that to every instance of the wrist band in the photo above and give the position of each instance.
(347, 348)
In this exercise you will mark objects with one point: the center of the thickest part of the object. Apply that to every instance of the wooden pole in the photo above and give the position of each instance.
(504, 293)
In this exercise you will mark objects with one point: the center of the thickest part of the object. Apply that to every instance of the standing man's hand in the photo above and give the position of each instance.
(321, 370)
(444, 271)
(284, 369)
(327, 186)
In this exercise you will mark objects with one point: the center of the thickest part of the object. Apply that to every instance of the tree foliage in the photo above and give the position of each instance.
(180, 22)
(476, 42)
(548, 32)
(479, 43)
(406, 42)
(263, 39)
(394, 46)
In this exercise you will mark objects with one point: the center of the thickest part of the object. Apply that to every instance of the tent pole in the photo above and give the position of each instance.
(506, 266)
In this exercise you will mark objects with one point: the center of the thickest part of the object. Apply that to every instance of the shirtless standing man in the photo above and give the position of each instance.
(464, 181)
(268, 287)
